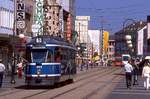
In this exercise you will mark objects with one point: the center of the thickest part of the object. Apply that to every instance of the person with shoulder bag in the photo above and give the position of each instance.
(146, 74)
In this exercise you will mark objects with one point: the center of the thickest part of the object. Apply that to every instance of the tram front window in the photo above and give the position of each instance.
(39, 56)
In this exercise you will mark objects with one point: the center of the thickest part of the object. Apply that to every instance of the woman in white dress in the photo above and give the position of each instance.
(146, 74)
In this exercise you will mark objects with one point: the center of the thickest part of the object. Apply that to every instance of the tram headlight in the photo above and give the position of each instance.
(38, 71)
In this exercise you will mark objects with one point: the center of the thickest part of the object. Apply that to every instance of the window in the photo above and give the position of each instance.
(50, 56)
(57, 14)
(6, 18)
(58, 56)
(57, 24)
(38, 55)
(53, 12)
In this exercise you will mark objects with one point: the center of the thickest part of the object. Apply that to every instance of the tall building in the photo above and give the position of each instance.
(81, 26)
(67, 18)
(95, 39)
(51, 19)
(59, 18)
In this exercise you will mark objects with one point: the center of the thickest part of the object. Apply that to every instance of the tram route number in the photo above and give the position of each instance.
(38, 66)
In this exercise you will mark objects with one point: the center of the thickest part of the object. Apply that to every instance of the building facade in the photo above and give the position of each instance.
(51, 17)
(59, 18)
(121, 46)
(6, 30)
(81, 26)
(8, 36)
(111, 48)
(95, 39)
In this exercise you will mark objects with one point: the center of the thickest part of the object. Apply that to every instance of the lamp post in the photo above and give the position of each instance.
(13, 47)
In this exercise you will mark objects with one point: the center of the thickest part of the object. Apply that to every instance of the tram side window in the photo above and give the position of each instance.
(28, 55)
(58, 54)
(49, 57)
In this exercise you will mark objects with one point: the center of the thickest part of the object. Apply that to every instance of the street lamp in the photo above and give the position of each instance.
(129, 42)
(129, 36)
(13, 47)
(130, 45)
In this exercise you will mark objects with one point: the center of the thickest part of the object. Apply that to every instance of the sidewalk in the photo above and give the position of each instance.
(7, 82)
(136, 92)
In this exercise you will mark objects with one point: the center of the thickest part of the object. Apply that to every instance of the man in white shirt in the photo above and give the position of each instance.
(2, 69)
(128, 70)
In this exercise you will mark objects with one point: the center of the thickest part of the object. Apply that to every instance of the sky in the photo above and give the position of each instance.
(112, 13)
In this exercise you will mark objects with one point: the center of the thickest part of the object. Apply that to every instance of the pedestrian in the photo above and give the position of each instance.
(20, 69)
(2, 69)
(135, 72)
(128, 73)
(146, 74)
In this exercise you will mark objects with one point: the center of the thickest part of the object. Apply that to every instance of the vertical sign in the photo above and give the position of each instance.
(69, 28)
(20, 14)
(148, 27)
(39, 16)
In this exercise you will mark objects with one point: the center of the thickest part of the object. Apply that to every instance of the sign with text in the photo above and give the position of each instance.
(20, 14)
(39, 16)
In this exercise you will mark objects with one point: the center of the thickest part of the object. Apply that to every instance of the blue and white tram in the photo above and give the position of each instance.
(50, 60)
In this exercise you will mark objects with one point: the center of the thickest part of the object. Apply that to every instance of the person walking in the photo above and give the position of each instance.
(128, 73)
(135, 72)
(20, 69)
(146, 74)
(2, 69)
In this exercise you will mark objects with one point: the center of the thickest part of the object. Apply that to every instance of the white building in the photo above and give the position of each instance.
(81, 26)
(95, 37)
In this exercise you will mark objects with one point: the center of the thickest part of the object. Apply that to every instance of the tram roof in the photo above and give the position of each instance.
(51, 40)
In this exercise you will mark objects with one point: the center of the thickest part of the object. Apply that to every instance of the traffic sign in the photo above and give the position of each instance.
(35, 28)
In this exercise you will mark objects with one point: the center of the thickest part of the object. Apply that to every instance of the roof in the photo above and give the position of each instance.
(51, 40)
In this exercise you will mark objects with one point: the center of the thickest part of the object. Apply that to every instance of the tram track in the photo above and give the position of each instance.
(99, 88)
(84, 77)
(74, 88)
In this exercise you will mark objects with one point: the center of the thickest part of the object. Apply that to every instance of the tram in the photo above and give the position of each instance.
(50, 60)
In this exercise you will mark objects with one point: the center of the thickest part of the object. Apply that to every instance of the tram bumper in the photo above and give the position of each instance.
(42, 79)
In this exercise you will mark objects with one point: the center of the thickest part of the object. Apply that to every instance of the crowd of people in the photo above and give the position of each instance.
(133, 69)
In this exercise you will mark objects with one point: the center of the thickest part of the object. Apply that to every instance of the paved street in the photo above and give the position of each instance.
(20, 82)
(89, 84)
(116, 89)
